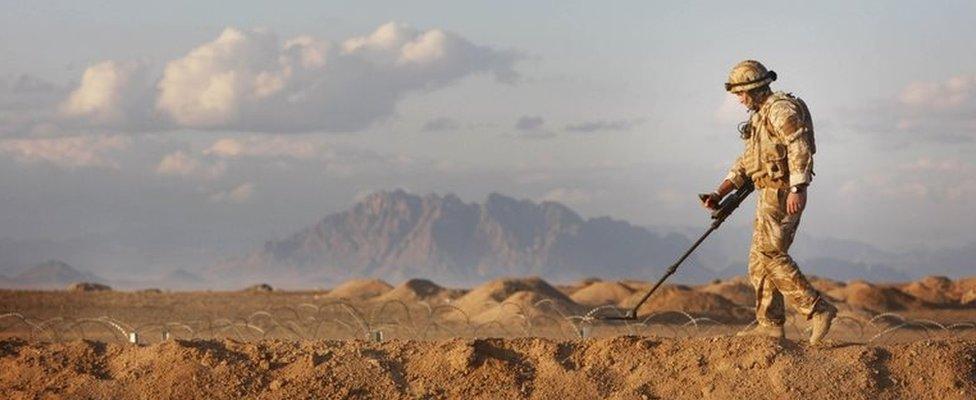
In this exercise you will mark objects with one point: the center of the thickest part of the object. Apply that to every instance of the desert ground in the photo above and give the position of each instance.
(507, 338)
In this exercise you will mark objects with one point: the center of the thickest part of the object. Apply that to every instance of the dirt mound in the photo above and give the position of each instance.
(622, 367)
(824, 285)
(419, 290)
(88, 287)
(491, 294)
(360, 289)
(968, 299)
(936, 290)
(637, 285)
(688, 300)
(876, 298)
(570, 288)
(737, 290)
(529, 307)
(966, 287)
(259, 288)
(965, 284)
(602, 293)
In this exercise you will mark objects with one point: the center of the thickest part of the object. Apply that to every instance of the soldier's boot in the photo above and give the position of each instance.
(773, 331)
(821, 321)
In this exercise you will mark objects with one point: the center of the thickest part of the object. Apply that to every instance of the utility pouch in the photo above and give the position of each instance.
(775, 161)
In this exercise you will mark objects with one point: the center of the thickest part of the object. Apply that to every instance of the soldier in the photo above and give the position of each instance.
(778, 158)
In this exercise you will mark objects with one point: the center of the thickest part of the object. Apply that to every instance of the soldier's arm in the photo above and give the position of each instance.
(736, 177)
(787, 122)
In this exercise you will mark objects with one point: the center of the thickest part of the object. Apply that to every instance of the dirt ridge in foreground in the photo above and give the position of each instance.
(625, 367)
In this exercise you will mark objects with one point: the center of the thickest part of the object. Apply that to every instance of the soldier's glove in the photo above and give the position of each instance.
(710, 200)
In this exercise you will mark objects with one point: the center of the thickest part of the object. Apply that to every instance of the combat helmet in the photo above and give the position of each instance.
(748, 75)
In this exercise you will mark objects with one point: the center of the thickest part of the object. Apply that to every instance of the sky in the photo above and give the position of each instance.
(173, 134)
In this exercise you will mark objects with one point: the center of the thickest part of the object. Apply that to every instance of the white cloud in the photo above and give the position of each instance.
(110, 94)
(290, 152)
(248, 80)
(180, 163)
(954, 92)
(226, 147)
(267, 146)
(924, 179)
(245, 80)
(932, 111)
(236, 195)
(208, 87)
(68, 152)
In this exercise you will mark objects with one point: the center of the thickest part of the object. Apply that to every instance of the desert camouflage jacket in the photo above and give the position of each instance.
(779, 145)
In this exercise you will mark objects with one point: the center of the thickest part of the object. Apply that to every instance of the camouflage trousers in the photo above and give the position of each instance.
(772, 271)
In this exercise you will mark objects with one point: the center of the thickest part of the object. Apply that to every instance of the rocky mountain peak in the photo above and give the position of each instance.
(396, 235)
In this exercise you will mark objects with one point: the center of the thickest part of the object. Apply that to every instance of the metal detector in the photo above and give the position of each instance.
(725, 208)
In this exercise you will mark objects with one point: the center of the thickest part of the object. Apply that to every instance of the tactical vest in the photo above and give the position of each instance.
(765, 158)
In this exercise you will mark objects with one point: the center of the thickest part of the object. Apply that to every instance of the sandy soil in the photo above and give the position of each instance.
(623, 367)
(509, 338)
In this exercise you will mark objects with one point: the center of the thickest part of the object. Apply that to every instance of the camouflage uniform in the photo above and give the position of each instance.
(778, 155)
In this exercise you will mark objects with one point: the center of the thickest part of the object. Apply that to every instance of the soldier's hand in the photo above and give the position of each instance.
(710, 200)
(795, 202)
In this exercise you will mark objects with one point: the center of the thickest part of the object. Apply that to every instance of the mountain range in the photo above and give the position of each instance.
(50, 274)
(396, 235)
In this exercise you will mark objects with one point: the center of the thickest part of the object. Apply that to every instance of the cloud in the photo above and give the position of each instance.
(440, 124)
(945, 111)
(111, 94)
(529, 123)
(531, 127)
(932, 111)
(25, 84)
(604, 125)
(949, 166)
(231, 156)
(182, 164)
(68, 152)
(924, 179)
(236, 195)
(958, 91)
(28, 105)
(248, 80)
(267, 147)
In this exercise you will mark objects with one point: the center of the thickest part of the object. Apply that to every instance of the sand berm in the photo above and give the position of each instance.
(623, 367)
